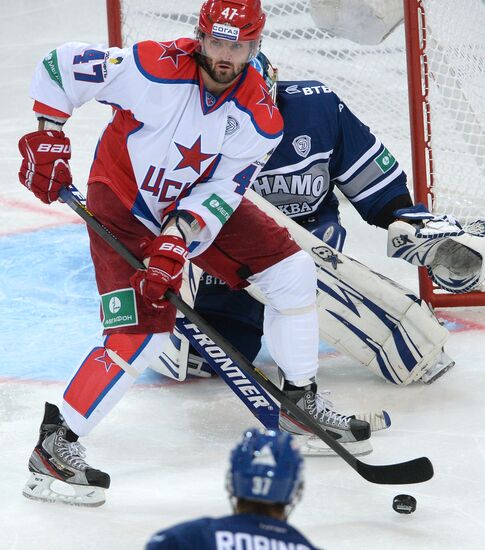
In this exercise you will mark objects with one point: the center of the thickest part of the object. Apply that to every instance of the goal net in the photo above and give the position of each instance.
(358, 48)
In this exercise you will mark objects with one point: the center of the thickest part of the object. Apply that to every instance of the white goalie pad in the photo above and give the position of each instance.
(365, 315)
(173, 359)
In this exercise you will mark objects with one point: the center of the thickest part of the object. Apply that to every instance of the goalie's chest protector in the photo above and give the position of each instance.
(174, 135)
(297, 178)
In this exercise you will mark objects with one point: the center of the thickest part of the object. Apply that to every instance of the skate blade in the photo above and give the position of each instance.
(314, 446)
(429, 380)
(43, 488)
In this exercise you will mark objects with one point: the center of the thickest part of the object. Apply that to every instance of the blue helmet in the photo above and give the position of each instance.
(266, 467)
(269, 73)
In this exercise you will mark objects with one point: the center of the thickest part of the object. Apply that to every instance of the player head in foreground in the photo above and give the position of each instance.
(264, 482)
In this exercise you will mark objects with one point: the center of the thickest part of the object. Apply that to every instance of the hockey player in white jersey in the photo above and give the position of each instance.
(324, 146)
(193, 125)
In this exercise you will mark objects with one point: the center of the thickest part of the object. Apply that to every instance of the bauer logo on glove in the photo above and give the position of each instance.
(45, 167)
(53, 148)
(165, 257)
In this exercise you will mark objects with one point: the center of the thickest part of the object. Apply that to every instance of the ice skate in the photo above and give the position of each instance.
(378, 420)
(198, 367)
(353, 434)
(443, 364)
(58, 470)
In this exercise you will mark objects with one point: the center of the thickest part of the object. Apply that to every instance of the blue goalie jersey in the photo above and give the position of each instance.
(326, 145)
(242, 531)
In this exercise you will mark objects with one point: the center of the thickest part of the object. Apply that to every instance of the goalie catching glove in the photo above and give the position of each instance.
(45, 167)
(454, 258)
(165, 257)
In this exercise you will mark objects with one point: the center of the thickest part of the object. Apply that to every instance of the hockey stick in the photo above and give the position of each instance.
(417, 470)
(174, 362)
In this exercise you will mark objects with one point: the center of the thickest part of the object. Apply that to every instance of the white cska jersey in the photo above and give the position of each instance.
(171, 144)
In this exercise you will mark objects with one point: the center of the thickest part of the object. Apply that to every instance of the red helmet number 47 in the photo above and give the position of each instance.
(245, 15)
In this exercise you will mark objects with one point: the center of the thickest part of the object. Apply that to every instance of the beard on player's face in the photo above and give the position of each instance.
(221, 71)
(223, 60)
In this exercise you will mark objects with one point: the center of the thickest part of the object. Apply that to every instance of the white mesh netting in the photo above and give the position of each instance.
(372, 80)
(456, 57)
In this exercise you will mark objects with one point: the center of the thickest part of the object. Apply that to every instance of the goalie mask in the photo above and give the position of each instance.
(266, 467)
(232, 25)
(269, 73)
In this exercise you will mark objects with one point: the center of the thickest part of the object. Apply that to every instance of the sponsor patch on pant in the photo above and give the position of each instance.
(119, 308)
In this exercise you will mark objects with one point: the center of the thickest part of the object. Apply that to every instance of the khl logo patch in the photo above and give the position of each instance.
(302, 145)
(232, 126)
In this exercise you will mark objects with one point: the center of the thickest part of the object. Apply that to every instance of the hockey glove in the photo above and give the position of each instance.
(417, 237)
(166, 256)
(440, 244)
(45, 168)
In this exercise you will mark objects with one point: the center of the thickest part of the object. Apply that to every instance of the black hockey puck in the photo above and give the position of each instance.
(404, 504)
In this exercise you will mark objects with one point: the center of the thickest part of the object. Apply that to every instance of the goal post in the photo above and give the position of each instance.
(445, 47)
(114, 18)
(418, 84)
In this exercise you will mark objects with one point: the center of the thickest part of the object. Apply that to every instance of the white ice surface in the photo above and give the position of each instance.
(166, 447)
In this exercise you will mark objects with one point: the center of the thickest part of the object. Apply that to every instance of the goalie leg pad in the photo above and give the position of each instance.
(374, 320)
(172, 359)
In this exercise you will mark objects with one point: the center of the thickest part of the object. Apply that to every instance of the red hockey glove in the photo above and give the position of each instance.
(45, 168)
(167, 255)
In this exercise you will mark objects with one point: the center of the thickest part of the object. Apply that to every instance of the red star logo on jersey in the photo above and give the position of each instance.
(106, 360)
(192, 157)
(267, 101)
(171, 52)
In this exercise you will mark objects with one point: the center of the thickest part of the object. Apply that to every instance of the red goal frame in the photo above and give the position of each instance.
(422, 153)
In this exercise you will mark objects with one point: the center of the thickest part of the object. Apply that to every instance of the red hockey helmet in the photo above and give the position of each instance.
(237, 20)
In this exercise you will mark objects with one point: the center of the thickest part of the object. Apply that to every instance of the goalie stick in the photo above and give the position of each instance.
(247, 389)
(416, 470)
(174, 362)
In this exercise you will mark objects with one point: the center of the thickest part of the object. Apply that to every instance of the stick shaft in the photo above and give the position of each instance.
(414, 471)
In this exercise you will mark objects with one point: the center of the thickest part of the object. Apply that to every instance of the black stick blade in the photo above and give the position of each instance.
(413, 471)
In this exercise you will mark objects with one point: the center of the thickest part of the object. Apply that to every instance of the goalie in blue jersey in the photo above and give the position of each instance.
(325, 146)
(264, 483)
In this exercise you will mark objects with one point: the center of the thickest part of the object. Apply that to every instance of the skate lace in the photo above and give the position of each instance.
(321, 408)
(72, 453)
